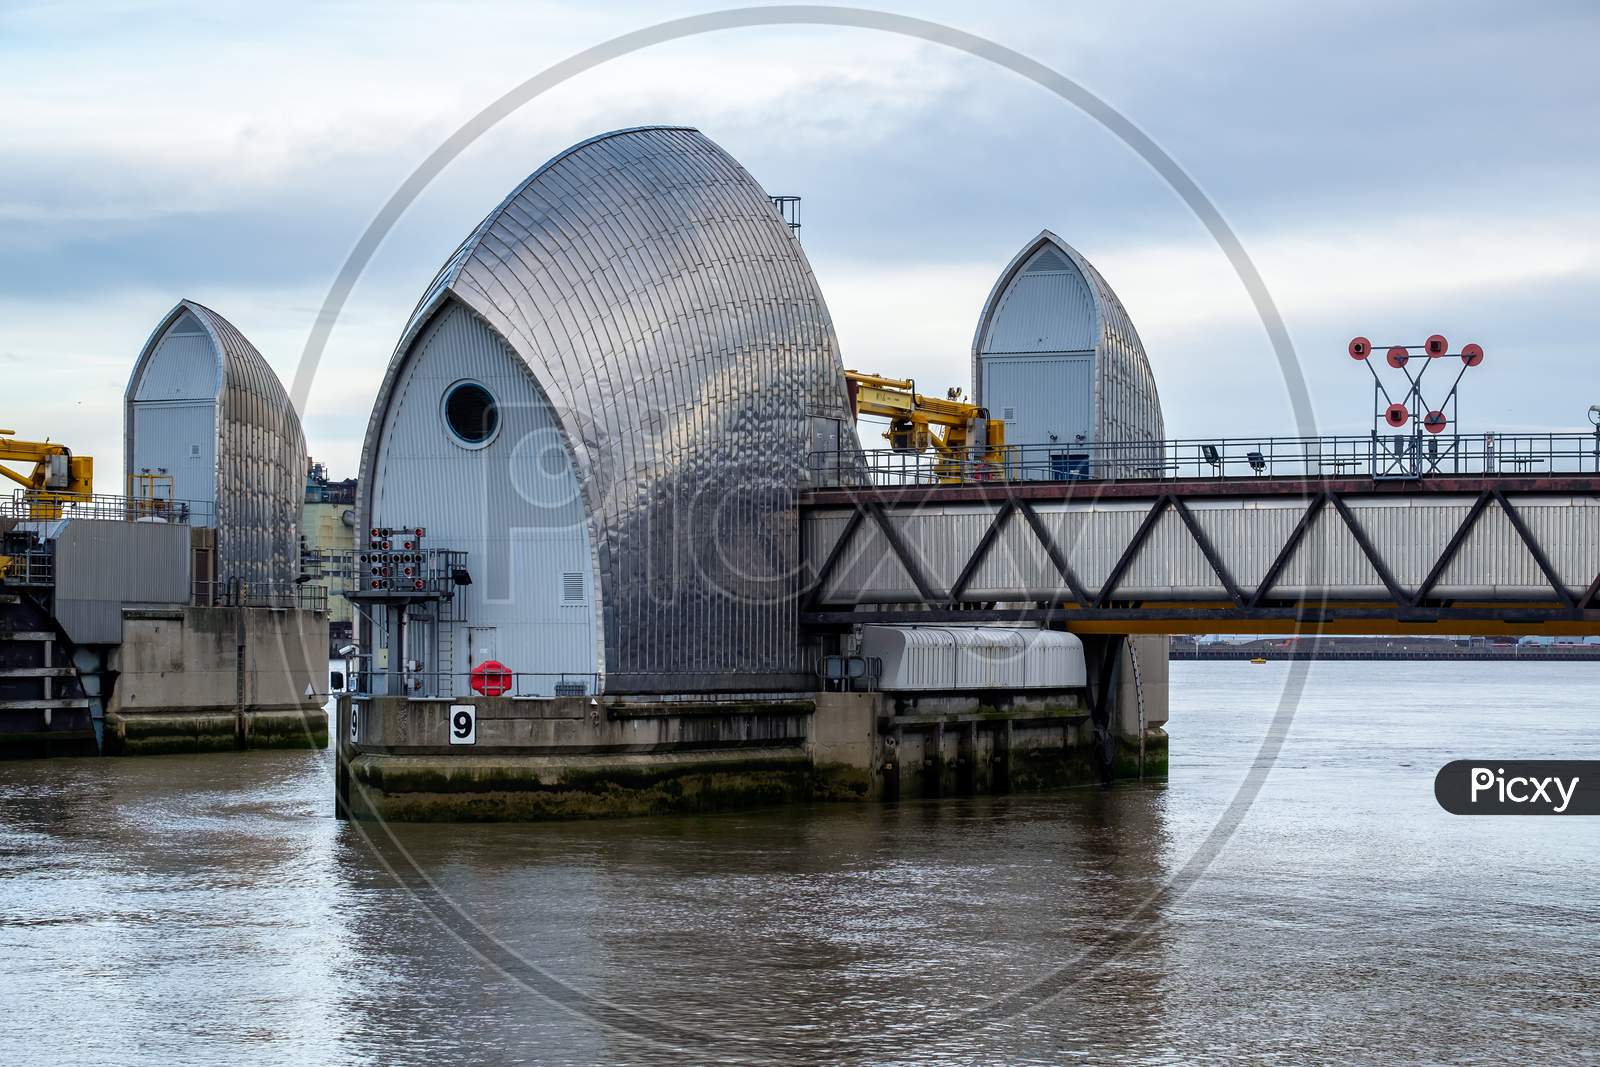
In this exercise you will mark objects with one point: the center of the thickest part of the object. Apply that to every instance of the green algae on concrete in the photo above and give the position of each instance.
(1068, 710)
(567, 759)
(147, 734)
(450, 789)
(1036, 768)
(839, 781)
(286, 729)
(1125, 759)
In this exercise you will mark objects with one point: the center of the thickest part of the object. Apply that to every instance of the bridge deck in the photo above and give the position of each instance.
(1472, 553)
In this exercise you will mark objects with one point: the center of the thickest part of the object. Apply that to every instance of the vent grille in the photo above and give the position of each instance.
(572, 587)
(1048, 259)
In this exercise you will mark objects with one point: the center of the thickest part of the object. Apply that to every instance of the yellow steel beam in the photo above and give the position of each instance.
(884, 402)
(1340, 627)
(862, 378)
(1157, 606)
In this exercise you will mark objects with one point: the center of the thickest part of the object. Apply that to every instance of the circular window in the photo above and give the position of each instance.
(471, 414)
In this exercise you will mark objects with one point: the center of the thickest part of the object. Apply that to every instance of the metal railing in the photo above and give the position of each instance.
(376, 575)
(238, 593)
(329, 564)
(34, 567)
(528, 685)
(1398, 456)
(27, 505)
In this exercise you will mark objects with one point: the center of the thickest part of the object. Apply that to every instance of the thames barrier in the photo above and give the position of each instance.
(616, 546)
(486, 578)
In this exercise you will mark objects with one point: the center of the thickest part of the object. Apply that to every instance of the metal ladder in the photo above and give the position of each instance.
(444, 645)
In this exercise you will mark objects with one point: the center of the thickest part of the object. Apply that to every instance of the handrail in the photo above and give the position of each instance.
(431, 684)
(238, 593)
(34, 566)
(1379, 457)
(25, 505)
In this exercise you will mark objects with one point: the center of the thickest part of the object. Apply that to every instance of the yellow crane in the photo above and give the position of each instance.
(57, 476)
(968, 445)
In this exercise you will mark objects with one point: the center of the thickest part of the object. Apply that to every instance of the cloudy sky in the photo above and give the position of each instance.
(1393, 170)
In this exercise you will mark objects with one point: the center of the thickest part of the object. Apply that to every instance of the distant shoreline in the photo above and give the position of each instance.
(1514, 653)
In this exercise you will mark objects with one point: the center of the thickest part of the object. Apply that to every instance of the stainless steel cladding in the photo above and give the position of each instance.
(672, 324)
(1056, 355)
(204, 407)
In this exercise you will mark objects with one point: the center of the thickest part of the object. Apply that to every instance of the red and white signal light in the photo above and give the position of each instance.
(1396, 411)
(394, 569)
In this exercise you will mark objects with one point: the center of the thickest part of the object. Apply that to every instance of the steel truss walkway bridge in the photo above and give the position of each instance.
(1329, 535)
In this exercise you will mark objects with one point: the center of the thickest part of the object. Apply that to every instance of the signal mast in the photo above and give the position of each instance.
(1396, 451)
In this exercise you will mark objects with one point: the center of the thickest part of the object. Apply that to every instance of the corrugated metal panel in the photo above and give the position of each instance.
(1044, 311)
(1494, 558)
(514, 505)
(103, 566)
(947, 658)
(259, 448)
(1569, 530)
(184, 366)
(1040, 397)
(673, 321)
(1409, 535)
(182, 438)
(1031, 304)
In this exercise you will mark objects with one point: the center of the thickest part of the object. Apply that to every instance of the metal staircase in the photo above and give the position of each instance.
(43, 709)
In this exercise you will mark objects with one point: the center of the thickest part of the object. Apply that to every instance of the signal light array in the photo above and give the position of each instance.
(395, 560)
(1410, 407)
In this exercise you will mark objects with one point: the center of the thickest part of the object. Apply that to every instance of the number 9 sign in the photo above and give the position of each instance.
(463, 724)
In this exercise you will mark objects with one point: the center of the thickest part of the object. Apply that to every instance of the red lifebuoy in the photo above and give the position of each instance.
(491, 678)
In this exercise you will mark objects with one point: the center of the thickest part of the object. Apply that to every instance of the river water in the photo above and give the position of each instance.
(209, 909)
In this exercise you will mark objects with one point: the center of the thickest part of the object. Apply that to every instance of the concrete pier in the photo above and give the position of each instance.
(581, 757)
(200, 679)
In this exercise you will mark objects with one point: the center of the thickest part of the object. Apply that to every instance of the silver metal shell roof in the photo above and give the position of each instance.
(1086, 317)
(260, 452)
(673, 322)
